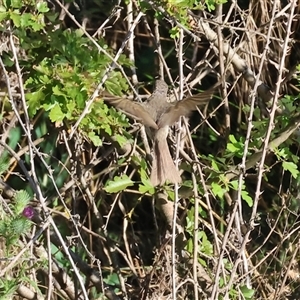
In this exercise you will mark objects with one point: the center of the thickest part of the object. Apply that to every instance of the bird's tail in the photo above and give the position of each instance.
(163, 167)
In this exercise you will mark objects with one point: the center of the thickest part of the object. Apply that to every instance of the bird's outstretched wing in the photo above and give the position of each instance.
(185, 107)
(132, 109)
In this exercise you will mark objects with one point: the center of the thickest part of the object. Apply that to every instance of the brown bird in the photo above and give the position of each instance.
(156, 112)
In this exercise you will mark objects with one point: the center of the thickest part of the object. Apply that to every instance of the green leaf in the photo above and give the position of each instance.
(56, 114)
(214, 165)
(4, 164)
(16, 18)
(234, 184)
(218, 190)
(16, 3)
(57, 90)
(3, 15)
(118, 184)
(112, 279)
(174, 32)
(19, 225)
(70, 110)
(25, 19)
(291, 167)
(42, 7)
(121, 139)
(22, 198)
(34, 101)
(247, 198)
(95, 139)
(3, 227)
(247, 293)
(146, 187)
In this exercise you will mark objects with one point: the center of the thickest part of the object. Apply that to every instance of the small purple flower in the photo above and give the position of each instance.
(28, 212)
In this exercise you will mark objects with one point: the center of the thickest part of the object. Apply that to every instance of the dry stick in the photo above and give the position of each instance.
(116, 12)
(158, 47)
(50, 270)
(267, 138)
(176, 196)
(222, 70)
(6, 132)
(127, 247)
(28, 177)
(131, 42)
(195, 237)
(133, 69)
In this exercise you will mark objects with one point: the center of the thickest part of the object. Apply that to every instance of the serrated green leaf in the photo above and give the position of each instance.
(3, 227)
(18, 225)
(42, 7)
(70, 109)
(56, 114)
(146, 187)
(205, 245)
(291, 167)
(16, 18)
(112, 279)
(38, 24)
(107, 128)
(25, 19)
(22, 198)
(4, 164)
(217, 190)
(79, 33)
(189, 246)
(119, 183)
(81, 99)
(57, 90)
(95, 139)
(174, 32)
(3, 15)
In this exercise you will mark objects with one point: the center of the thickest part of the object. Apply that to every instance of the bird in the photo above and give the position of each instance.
(159, 114)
